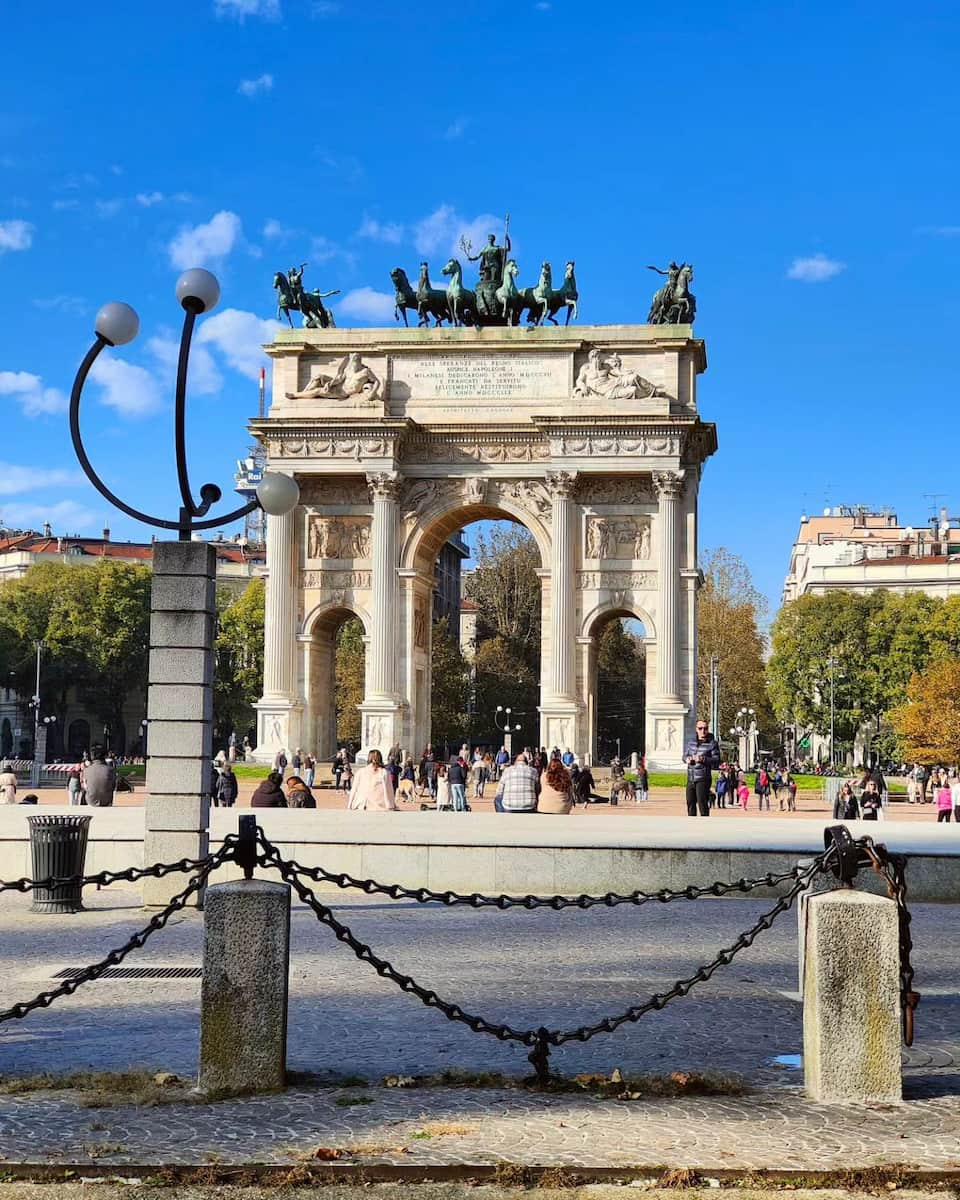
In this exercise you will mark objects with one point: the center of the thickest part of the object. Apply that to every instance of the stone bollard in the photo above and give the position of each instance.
(823, 881)
(243, 996)
(851, 999)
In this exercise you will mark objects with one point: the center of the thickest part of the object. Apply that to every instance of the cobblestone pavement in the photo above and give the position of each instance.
(528, 968)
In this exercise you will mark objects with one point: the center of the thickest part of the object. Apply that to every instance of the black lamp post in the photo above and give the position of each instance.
(198, 291)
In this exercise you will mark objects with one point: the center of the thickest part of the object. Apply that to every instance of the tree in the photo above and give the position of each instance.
(621, 677)
(729, 611)
(506, 590)
(238, 682)
(928, 720)
(449, 720)
(350, 679)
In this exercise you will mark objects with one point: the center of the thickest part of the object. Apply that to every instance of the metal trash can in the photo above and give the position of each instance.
(58, 848)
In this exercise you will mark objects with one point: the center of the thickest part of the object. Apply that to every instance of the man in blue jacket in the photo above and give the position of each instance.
(702, 756)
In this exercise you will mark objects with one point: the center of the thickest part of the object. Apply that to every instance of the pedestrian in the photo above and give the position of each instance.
(721, 786)
(871, 804)
(477, 775)
(955, 793)
(269, 792)
(643, 782)
(404, 784)
(944, 805)
(8, 783)
(702, 756)
(743, 790)
(339, 761)
(457, 779)
(429, 760)
(309, 769)
(845, 807)
(347, 777)
(519, 788)
(225, 787)
(280, 761)
(372, 788)
(73, 786)
(444, 800)
(502, 760)
(100, 778)
(298, 794)
(762, 788)
(585, 785)
(556, 789)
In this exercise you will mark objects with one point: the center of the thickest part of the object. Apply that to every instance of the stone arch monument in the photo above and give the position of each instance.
(588, 436)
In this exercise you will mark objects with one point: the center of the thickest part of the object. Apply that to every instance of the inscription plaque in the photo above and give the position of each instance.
(501, 376)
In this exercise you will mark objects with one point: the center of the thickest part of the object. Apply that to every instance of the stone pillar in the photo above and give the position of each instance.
(851, 1000)
(560, 708)
(381, 707)
(179, 710)
(669, 487)
(666, 710)
(243, 996)
(278, 708)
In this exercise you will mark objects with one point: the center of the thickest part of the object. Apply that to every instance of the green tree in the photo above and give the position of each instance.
(621, 670)
(238, 682)
(449, 720)
(729, 613)
(506, 590)
(349, 673)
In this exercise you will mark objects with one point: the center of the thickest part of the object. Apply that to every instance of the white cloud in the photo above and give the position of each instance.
(443, 228)
(200, 245)
(253, 87)
(74, 306)
(815, 269)
(381, 231)
(325, 8)
(108, 208)
(67, 515)
(29, 392)
(455, 129)
(63, 205)
(239, 10)
(275, 231)
(203, 377)
(239, 335)
(131, 390)
(149, 199)
(365, 304)
(15, 478)
(15, 235)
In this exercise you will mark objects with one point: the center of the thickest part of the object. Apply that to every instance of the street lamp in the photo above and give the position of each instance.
(745, 729)
(143, 738)
(116, 324)
(505, 728)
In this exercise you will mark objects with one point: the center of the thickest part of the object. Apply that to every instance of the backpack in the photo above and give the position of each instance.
(722, 785)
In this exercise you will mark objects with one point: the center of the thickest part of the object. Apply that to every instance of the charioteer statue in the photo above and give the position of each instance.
(492, 259)
(674, 303)
(292, 298)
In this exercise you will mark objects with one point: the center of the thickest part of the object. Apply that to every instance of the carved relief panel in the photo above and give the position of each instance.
(338, 537)
(618, 537)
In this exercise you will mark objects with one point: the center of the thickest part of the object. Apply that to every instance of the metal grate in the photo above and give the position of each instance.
(136, 973)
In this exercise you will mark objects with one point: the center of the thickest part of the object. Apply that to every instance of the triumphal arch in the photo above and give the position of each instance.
(588, 436)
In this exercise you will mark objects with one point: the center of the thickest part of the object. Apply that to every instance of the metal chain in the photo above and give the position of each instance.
(115, 957)
(539, 1039)
(892, 870)
(425, 895)
(105, 878)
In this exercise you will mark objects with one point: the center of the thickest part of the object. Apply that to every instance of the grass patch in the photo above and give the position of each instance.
(107, 1089)
(352, 1101)
(251, 770)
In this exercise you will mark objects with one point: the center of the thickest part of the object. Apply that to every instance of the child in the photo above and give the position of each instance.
(347, 776)
(743, 791)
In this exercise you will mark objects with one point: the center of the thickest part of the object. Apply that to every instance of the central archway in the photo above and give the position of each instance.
(614, 700)
(421, 549)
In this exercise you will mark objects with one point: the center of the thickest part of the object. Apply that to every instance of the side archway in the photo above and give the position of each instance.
(617, 661)
(325, 631)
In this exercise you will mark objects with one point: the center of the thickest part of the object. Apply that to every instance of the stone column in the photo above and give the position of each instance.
(381, 708)
(278, 708)
(560, 709)
(243, 996)
(851, 999)
(669, 487)
(561, 485)
(179, 711)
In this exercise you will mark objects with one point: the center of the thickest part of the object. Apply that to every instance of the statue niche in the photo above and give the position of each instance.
(338, 537)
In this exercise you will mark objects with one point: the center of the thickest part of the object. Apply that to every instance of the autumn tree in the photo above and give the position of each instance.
(238, 682)
(928, 720)
(729, 614)
(349, 673)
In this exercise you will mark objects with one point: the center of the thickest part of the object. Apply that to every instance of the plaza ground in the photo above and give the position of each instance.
(349, 1029)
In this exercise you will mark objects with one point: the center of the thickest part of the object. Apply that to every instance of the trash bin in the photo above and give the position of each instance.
(58, 848)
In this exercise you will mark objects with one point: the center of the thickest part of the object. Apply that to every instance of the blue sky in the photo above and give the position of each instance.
(802, 156)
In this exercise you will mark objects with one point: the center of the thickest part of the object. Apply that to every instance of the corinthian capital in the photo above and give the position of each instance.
(383, 486)
(561, 484)
(668, 484)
